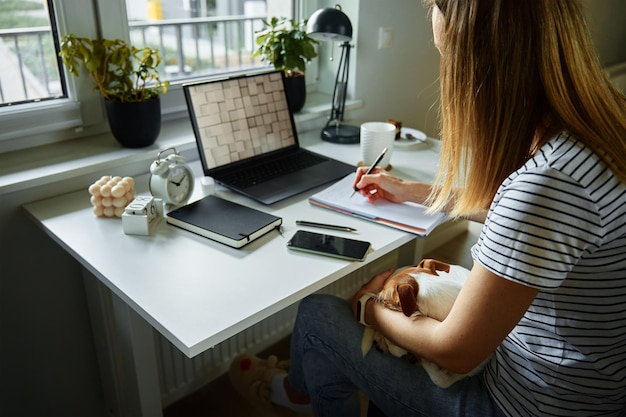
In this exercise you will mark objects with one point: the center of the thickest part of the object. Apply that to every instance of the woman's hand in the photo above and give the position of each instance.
(373, 286)
(381, 184)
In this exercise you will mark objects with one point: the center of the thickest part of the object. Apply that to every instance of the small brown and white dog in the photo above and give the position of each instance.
(429, 289)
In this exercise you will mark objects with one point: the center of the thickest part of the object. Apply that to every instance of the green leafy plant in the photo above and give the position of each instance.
(285, 44)
(120, 71)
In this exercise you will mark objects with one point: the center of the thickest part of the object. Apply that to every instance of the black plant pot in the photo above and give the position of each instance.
(295, 87)
(135, 124)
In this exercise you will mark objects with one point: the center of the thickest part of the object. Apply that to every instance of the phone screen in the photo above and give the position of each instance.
(335, 246)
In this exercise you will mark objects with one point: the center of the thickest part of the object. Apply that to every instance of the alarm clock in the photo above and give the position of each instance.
(171, 178)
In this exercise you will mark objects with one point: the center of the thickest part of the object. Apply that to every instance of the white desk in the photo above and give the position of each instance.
(197, 292)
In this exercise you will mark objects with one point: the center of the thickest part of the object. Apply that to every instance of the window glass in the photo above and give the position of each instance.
(198, 37)
(29, 67)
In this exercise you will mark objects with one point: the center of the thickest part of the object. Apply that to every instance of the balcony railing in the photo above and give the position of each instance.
(199, 46)
(191, 48)
(28, 66)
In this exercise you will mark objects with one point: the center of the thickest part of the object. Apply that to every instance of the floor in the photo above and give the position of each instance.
(218, 399)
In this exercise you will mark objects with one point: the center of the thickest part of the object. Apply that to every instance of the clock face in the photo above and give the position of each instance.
(179, 183)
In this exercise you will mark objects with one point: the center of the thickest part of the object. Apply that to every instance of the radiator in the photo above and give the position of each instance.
(180, 375)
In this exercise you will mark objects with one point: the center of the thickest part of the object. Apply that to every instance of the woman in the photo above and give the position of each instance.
(534, 143)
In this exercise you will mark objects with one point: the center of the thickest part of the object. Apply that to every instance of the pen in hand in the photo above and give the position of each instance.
(371, 168)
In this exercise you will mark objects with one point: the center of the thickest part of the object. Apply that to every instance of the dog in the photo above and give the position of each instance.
(429, 289)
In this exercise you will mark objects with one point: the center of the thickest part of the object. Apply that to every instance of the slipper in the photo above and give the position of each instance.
(252, 377)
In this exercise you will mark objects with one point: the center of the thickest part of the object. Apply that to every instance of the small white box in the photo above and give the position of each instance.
(142, 215)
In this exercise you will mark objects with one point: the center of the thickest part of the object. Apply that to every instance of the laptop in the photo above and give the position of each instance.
(247, 138)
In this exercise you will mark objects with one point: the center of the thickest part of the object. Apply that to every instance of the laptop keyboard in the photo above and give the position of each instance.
(272, 169)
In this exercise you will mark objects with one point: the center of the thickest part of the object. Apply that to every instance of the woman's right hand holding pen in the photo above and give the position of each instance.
(380, 184)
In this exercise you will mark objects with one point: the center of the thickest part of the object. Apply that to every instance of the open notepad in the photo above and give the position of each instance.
(409, 217)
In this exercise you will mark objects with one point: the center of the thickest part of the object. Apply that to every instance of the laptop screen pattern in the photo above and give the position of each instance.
(240, 118)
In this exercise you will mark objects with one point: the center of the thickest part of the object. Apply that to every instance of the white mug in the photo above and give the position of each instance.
(376, 136)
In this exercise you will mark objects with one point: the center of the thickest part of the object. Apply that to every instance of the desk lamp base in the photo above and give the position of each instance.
(344, 134)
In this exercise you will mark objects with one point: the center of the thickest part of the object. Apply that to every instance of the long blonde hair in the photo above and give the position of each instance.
(514, 73)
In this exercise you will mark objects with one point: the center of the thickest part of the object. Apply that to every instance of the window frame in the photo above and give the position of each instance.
(63, 118)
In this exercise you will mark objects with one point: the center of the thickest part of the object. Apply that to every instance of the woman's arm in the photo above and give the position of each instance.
(486, 310)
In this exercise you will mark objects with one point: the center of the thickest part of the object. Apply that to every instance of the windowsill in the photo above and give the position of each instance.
(90, 156)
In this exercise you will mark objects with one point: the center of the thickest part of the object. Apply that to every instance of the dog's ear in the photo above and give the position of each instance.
(407, 294)
(441, 266)
(433, 265)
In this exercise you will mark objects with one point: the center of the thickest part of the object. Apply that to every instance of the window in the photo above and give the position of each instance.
(30, 70)
(197, 38)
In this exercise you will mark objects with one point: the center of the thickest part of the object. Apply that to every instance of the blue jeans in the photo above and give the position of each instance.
(327, 363)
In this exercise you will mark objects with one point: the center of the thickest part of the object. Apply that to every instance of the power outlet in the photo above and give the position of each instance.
(385, 37)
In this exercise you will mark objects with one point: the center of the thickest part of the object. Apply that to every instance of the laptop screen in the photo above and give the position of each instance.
(240, 118)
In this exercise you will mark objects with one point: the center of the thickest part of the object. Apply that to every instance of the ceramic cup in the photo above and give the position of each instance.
(376, 136)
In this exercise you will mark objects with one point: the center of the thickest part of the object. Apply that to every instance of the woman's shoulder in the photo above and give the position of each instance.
(568, 173)
(566, 157)
(565, 151)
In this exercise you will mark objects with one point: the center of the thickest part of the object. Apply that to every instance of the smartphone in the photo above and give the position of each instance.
(328, 245)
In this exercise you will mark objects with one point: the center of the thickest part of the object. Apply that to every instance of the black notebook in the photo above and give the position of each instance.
(223, 221)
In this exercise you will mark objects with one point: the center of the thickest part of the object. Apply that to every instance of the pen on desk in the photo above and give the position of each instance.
(325, 226)
(369, 171)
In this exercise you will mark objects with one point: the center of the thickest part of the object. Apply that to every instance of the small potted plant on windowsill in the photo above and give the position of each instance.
(128, 79)
(285, 44)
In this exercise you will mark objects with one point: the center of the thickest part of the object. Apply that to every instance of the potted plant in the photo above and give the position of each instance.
(285, 44)
(128, 79)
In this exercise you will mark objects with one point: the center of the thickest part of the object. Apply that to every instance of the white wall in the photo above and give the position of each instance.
(400, 82)
(47, 359)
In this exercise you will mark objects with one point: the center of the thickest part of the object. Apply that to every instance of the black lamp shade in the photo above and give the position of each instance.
(330, 24)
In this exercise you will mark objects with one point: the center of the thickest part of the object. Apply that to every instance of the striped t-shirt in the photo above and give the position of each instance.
(559, 224)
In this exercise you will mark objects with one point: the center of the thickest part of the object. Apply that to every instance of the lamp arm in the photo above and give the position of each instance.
(341, 86)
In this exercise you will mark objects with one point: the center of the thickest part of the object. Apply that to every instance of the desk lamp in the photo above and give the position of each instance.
(331, 24)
